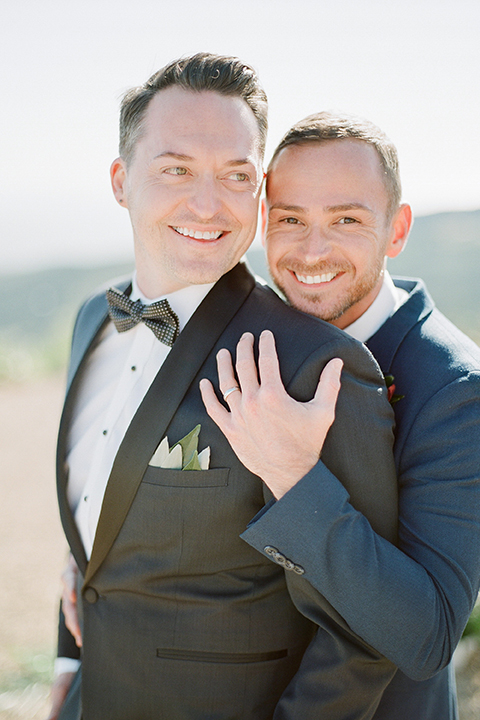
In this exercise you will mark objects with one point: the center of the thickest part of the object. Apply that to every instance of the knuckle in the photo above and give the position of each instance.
(242, 361)
(269, 395)
(248, 404)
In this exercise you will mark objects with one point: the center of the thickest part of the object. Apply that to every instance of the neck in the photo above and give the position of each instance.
(359, 308)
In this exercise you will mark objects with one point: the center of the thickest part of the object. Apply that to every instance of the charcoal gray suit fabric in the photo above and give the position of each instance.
(182, 619)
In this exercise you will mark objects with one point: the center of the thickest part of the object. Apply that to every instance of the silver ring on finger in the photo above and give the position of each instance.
(230, 391)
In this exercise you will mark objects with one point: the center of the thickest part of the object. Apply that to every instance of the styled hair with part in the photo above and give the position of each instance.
(326, 126)
(203, 71)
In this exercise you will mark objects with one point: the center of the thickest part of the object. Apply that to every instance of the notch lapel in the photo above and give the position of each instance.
(160, 403)
(385, 342)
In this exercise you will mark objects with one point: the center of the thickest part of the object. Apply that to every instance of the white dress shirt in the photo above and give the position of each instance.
(118, 374)
(385, 304)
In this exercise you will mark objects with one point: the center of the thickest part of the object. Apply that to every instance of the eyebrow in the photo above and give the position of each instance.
(287, 208)
(176, 156)
(348, 206)
(242, 161)
(187, 158)
(328, 208)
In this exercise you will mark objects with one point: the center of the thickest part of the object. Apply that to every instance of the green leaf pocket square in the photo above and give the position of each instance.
(184, 454)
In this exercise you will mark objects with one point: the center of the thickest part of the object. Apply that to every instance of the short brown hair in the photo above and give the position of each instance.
(325, 126)
(203, 71)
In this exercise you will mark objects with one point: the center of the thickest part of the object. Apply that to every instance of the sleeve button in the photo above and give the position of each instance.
(270, 550)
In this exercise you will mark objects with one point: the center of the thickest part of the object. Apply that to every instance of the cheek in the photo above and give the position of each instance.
(278, 246)
(157, 199)
(246, 212)
(270, 250)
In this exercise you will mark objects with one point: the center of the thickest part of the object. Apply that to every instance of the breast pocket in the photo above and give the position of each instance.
(216, 477)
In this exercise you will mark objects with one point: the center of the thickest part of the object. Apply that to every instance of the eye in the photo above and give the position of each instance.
(176, 171)
(239, 177)
(291, 221)
(347, 220)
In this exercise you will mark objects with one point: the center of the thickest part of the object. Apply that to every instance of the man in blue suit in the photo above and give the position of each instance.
(333, 215)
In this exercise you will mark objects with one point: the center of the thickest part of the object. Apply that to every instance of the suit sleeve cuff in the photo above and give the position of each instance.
(65, 665)
(282, 529)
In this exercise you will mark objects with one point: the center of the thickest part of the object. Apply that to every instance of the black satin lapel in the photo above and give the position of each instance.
(90, 322)
(161, 402)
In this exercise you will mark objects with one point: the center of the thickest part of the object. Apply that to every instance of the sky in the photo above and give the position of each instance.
(410, 66)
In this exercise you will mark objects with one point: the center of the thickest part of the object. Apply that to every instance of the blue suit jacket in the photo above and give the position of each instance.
(411, 603)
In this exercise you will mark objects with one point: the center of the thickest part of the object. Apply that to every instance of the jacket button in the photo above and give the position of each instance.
(90, 595)
(270, 550)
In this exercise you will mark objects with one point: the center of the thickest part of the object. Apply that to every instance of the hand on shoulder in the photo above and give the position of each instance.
(273, 435)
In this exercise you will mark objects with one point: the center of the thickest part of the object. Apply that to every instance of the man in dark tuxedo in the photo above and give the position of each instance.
(334, 216)
(180, 618)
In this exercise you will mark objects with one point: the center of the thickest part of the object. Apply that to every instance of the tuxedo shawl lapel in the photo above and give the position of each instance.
(90, 323)
(160, 403)
(386, 341)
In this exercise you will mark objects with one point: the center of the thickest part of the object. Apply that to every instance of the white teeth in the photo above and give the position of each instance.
(197, 235)
(315, 279)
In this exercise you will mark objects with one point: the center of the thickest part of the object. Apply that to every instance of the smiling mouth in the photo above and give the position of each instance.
(198, 234)
(315, 279)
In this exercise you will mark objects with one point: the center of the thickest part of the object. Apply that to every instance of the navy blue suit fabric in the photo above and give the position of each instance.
(411, 603)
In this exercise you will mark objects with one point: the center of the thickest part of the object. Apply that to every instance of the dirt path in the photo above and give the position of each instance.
(33, 549)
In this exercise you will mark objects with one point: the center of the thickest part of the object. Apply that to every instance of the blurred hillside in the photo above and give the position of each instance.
(37, 313)
(37, 310)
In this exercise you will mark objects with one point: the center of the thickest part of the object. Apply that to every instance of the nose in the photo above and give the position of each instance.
(204, 200)
(316, 246)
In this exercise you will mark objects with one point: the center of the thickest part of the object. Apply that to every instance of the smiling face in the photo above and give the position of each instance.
(329, 228)
(192, 188)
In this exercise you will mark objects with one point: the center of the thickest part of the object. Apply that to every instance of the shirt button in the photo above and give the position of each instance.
(85, 498)
(105, 432)
(133, 368)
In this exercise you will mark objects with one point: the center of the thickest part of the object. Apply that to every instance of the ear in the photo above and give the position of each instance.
(264, 220)
(401, 224)
(118, 176)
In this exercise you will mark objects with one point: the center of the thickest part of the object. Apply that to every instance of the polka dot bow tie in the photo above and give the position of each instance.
(158, 316)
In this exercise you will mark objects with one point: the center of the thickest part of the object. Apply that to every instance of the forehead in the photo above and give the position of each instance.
(186, 122)
(330, 173)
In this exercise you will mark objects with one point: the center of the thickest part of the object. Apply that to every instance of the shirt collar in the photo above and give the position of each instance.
(385, 304)
(183, 302)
